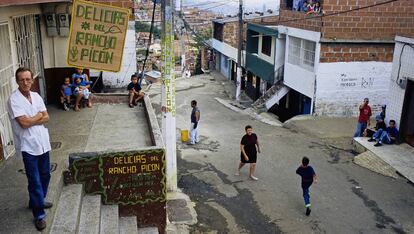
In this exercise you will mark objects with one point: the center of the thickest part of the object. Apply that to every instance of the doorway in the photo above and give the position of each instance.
(407, 117)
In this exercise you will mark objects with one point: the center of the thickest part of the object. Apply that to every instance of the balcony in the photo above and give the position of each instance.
(260, 67)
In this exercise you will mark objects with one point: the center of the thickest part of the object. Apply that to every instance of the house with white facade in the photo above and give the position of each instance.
(331, 61)
(400, 101)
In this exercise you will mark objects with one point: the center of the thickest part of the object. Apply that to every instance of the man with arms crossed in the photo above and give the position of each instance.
(28, 113)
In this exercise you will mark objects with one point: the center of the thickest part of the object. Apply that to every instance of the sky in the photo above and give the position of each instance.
(231, 6)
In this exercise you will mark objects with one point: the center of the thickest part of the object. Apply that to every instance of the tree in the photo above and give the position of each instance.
(145, 27)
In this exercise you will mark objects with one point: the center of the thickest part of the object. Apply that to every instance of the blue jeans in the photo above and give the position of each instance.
(38, 177)
(306, 196)
(382, 136)
(360, 129)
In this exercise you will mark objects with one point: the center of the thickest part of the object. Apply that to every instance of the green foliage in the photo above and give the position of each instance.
(145, 27)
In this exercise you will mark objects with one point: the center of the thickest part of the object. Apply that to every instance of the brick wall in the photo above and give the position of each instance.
(300, 20)
(374, 23)
(346, 52)
(230, 33)
(379, 22)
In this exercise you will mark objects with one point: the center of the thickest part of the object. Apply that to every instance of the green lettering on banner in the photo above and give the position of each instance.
(97, 36)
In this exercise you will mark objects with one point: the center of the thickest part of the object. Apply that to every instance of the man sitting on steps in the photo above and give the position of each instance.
(387, 136)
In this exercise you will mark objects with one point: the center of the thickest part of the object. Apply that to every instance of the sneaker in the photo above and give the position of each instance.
(237, 173)
(378, 144)
(308, 211)
(46, 205)
(66, 106)
(371, 140)
(254, 178)
(40, 224)
(131, 105)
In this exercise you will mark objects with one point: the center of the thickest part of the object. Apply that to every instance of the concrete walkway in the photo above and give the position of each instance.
(400, 157)
(103, 127)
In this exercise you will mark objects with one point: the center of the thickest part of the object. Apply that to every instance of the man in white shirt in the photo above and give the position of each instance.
(28, 113)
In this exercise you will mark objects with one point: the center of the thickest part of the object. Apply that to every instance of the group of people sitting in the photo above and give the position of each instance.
(307, 6)
(76, 87)
(382, 134)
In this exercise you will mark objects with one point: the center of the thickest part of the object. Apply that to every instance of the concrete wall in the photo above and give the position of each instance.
(129, 63)
(299, 79)
(396, 97)
(54, 48)
(225, 66)
(296, 77)
(225, 49)
(341, 87)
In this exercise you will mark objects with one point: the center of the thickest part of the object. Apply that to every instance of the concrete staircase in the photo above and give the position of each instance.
(85, 214)
(271, 97)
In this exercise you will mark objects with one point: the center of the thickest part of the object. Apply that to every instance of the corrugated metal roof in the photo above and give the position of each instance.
(28, 2)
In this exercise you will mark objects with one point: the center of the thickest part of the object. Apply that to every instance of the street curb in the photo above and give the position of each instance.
(249, 111)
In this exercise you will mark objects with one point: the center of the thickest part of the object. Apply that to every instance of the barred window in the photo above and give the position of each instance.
(6, 79)
(28, 43)
(302, 53)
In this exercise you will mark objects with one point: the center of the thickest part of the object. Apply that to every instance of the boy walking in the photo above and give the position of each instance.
(308, 177)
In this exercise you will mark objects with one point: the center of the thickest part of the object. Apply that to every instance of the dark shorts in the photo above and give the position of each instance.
(252, 158)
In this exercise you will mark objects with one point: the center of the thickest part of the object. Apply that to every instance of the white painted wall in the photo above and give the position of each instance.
(341, 87)
(296, 77)
(225, 66)
(299, 79)
(395, 101)
(129, 63)
(55, 49)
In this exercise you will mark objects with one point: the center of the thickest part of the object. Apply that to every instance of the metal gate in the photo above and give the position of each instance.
(6, 77)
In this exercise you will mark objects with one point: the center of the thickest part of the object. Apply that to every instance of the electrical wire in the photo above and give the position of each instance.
(339, 12)
(400, 62)
(206, 3)
(141, 77)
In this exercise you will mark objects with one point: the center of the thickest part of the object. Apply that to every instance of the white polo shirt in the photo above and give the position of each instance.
(33, 140)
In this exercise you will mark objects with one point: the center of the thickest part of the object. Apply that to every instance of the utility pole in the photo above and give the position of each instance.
(168, 93)
(182, 42)
(239, 54)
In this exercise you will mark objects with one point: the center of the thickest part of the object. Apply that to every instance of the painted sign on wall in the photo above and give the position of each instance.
(133, 180)
(97, 36)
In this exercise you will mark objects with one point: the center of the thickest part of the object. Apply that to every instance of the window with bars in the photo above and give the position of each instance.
(28, 42)
(302, 53)
(6, 77)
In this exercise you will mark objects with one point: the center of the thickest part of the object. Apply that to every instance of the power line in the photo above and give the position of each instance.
(148, 44)
(340, 12)
(217, 6)
(206, 3)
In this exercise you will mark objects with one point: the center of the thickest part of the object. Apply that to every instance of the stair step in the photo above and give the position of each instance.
(90, 216)
(68, 209)
(109, 219)
(128, 225)
(148, 230)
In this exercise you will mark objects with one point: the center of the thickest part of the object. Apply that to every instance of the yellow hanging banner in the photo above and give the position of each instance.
(97, 36)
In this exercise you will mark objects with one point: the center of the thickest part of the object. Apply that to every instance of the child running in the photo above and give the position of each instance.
(308, 177)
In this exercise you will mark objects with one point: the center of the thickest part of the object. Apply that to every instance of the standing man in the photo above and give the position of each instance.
(195, 117)
(363, 119)
(28, 113)
(249, 146)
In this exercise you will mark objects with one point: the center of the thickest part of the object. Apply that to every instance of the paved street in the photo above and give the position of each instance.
(346, 199)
